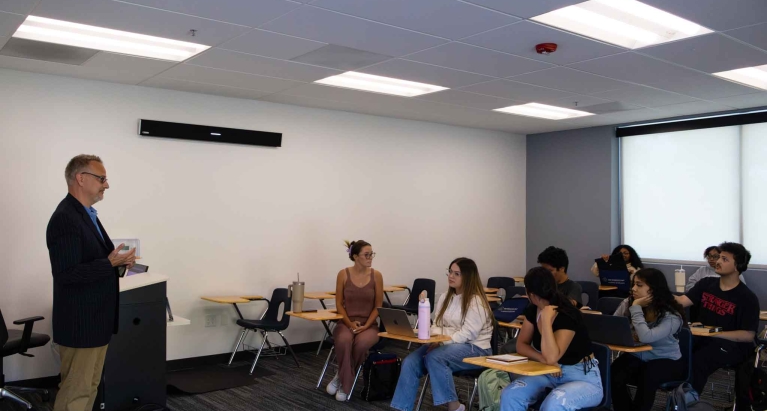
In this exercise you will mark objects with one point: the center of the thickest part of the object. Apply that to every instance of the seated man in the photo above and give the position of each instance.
(727, 303)
(555, 260)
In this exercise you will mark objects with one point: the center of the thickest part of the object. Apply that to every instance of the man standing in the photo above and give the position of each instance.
(85, 264)
(555, 260)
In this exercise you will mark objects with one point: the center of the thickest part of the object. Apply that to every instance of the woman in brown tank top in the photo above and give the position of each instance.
(359, 293)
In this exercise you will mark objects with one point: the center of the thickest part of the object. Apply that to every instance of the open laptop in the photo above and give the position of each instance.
(614, 272)
(610, 329)
(396, 322)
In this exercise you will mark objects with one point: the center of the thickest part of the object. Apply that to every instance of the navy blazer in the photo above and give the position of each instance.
(85, 285)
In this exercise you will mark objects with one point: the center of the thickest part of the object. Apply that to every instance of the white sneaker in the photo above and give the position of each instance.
(461, 408)
(341, 395)
(332, 388)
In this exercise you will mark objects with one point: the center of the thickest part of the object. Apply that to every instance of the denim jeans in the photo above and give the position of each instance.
(439, 363)
(572, 391)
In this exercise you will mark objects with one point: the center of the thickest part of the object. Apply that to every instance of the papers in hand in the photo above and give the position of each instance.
(506, 359)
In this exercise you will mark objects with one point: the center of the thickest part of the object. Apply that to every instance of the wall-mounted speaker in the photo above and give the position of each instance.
(152, 128)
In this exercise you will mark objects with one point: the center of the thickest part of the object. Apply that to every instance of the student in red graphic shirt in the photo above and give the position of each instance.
(728, 303)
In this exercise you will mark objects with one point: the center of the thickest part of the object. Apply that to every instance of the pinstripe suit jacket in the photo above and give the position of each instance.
(85, 285)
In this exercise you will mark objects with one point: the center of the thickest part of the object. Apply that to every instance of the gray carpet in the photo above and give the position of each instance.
(292, 388)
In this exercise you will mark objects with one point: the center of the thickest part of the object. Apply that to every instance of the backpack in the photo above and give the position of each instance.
(380, 374)
(491, 383)
(684, 398)
(510, 309)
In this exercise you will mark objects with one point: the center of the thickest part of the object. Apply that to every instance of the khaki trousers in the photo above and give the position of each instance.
(80, 376)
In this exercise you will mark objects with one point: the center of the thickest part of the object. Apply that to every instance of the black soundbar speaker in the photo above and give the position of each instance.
(152, 128)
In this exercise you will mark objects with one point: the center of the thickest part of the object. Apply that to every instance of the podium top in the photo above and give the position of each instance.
(134, 281)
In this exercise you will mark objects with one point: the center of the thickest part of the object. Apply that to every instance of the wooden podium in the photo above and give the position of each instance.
(134, 370)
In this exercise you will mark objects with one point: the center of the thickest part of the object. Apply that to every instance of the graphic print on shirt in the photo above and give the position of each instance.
(717, 305)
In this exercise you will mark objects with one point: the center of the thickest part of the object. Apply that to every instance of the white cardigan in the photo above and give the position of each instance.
(476, 328)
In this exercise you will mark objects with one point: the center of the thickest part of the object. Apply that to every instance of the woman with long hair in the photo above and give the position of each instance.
(464, 314)
(553, 333)
(656, 319)
(359, 294)
(629, 256)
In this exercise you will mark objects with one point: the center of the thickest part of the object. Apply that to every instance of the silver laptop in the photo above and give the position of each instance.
(396, 322)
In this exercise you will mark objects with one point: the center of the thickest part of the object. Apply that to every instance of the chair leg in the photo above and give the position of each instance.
(354, 384)
(237, 346)
(319, 347)
(473, 394)
(325, 367)
(253, 367)
(45, 395)
(423, 391)
(12, 396)
(289, 348)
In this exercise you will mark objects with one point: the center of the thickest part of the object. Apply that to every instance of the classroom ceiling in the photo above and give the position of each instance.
(483, 50)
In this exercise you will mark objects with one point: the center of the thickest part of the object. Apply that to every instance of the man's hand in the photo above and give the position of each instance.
(128, 259)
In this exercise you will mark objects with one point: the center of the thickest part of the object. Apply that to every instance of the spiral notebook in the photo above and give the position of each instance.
(506, 359)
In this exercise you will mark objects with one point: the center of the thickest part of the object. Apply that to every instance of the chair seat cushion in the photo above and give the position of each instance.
(14, 341)
(261, 324)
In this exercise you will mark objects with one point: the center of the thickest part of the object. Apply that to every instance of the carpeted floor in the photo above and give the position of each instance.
(292, 388)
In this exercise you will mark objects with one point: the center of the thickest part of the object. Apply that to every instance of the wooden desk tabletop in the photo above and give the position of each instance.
(253, 297)
(227, 300)
(493, 299)
(607, 287)
(491, 290)
(328, 292)
(319, 296)
(515, 324)
(591, 312)
(702, 332)
(519, 279)
(399, 285)
(622, 348)
(763, 315)
(525, 368)
(393, 289)
(320, 315)
(433, 339)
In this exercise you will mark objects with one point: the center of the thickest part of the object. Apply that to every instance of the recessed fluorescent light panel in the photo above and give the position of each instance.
(628, 23)
(543, 111)
(99, 38)
(750, 76)
(379, 84)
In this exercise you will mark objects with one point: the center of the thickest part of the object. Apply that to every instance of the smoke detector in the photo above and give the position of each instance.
(546, 48)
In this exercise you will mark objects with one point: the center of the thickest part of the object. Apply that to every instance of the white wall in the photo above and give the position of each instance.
(226, 219)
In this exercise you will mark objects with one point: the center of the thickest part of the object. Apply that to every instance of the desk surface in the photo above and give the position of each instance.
(514, 324)
(252, 297)
(140, 280)
(399, 285)
(702, 332)
(591, 312)
(320, 315)
(227, 300)
(393, 289)
(319, 296)
(525, 368)
(622, 348)
(607, 287)
(763, 315)
(519, 279)
(493, 298)
(491, 290)
(433, 339)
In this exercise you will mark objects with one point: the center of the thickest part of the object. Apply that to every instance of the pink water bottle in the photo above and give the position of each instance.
(424, 319)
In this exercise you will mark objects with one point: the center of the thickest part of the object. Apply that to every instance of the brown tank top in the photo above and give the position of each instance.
(359, 301)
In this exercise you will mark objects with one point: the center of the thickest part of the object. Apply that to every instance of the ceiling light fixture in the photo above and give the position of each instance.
(749, 76)
(99, 38)
(379, 84)
(628, 23)
(543, 111)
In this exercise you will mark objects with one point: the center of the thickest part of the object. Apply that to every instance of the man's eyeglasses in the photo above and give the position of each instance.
(102, 179)
(369, 255)
(450, 272)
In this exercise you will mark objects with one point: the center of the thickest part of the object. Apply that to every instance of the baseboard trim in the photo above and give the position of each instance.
(172, 365)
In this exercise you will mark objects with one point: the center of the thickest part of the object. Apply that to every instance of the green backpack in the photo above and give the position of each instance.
(491, 383)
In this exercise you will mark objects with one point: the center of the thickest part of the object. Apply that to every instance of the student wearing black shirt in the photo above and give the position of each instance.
(553, 333)
(728, 303)
(555, 260)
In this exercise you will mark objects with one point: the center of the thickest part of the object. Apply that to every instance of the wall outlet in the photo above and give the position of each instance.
(211, 320)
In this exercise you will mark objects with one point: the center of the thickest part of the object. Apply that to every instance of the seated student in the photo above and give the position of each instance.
(656, 319)
(629, 255)
(711, 255)
(727, 303)
(553, 333)
(464, 314)
(555, 260)
(359, 294)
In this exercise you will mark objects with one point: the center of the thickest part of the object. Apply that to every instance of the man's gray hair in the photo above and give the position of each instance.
(77, 165)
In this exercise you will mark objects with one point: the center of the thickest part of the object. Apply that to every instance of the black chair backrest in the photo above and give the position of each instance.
(512, 291)
(500, 282)
(685, 346)
(591, 289)
(608, 305)
(3, 332)
(603, 354)
(279, 296)
(419, 285)
(495, 339)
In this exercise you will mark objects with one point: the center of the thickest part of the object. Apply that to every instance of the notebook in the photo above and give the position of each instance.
(506, 359)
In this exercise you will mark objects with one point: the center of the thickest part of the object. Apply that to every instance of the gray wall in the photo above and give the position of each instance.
(573, 201)
(572, 195)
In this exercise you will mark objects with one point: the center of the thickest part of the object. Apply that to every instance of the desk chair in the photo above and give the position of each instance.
(269, 323)
(591, 289)
(608, 305)
(500, 282)
(468, 374)
(17, 342)
(685, 346)
(419, 285)
(512, 291)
